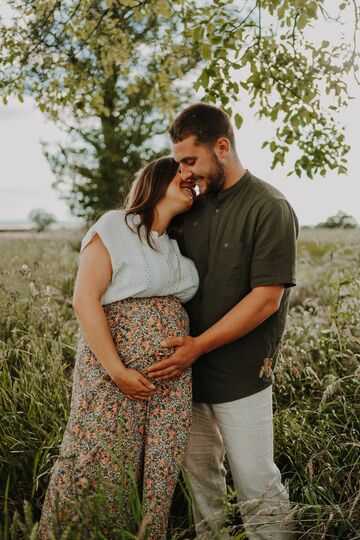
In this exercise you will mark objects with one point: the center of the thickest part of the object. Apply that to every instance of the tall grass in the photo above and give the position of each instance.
(316, 391)
(37, 340)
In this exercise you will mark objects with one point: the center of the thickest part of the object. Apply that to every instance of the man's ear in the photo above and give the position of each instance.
(222, 147)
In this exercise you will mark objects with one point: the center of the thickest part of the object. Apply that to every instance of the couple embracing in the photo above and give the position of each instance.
(181, 297)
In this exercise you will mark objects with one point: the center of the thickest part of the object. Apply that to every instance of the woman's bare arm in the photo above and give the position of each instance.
(93, 277)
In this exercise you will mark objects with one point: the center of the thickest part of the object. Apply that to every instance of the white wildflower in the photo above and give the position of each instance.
(33, 290)
(25, 270)
(331, 390)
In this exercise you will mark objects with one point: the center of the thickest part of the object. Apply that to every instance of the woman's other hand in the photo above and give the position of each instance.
(134, 385)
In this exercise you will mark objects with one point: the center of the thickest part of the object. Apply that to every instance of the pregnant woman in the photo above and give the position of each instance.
(123, 429)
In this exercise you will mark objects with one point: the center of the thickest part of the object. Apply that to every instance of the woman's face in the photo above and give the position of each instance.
(179, 194)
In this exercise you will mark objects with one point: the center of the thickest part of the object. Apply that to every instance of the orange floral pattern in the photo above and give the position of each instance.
(113, 441)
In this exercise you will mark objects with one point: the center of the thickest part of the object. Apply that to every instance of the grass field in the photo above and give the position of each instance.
(316, 391)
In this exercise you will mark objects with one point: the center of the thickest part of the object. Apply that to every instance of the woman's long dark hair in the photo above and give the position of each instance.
(148, 188)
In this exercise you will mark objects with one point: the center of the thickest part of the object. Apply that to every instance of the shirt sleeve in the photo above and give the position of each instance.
(190, 283)
(274, 254)
(106, 229)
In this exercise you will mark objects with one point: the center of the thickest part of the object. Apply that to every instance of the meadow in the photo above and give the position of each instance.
(316, 397)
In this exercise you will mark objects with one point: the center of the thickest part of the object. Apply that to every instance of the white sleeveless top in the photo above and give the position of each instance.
(137, 269)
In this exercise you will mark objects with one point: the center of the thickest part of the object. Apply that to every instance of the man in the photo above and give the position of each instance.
(241, 233)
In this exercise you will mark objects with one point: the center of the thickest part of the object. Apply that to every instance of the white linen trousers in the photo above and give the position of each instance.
(243, 429)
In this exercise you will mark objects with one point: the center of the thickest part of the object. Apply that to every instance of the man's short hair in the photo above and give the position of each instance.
(207, 122)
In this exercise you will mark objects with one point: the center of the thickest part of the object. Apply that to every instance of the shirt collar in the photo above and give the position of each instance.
(235, 188)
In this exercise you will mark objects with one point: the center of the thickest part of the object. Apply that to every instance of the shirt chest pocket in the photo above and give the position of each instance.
(232, 260)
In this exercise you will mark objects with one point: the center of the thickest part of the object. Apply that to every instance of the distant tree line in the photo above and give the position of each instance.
(341, 220)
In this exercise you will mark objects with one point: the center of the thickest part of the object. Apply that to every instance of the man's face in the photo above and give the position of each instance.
(199, 165)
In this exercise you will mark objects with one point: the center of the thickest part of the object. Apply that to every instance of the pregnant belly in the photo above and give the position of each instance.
(139, 325)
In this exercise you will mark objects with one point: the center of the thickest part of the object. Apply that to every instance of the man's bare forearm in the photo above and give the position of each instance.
(249, 313)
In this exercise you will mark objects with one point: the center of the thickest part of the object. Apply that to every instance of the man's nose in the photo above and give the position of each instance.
(185, 172)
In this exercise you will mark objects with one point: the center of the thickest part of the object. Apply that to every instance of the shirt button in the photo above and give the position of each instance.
(217, 210)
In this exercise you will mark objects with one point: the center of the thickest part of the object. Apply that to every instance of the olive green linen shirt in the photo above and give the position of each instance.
(241, 238)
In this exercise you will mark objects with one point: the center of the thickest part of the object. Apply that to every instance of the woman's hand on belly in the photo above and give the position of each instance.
(134, 385)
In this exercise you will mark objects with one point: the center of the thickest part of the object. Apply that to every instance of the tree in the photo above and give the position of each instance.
(106, 73)
(42, 219)
(340, 221)
(100, 63)
(262, 49)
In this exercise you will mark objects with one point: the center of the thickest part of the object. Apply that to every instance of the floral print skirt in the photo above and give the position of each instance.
(119, 459)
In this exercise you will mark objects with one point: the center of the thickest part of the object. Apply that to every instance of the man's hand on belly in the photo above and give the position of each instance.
(187, 351)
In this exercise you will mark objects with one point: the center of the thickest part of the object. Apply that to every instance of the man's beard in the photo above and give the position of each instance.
(216, 178)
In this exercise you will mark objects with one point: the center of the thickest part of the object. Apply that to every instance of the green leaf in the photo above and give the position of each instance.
(205, 51)
(325, 44)
(281, 12)
(273, 146)
(302, 21)
(163, 8)
(238, 34)
(215, 40)
(238, 120)
(311, 8)
(294, 121)
(197, 84)
(197, 33)
(204, 78)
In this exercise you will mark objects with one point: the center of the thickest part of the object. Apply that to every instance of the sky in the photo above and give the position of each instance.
(26, 178)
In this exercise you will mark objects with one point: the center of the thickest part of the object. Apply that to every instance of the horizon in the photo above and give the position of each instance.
(80, 221)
